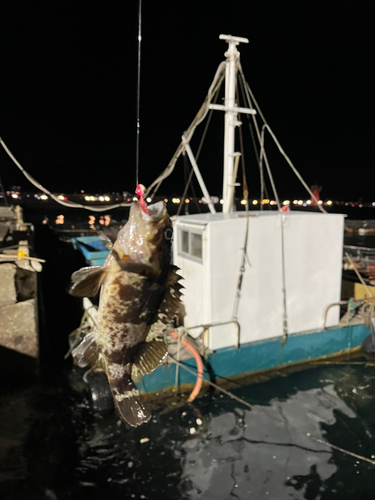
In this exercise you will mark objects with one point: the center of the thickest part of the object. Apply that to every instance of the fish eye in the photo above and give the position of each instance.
(168, 233)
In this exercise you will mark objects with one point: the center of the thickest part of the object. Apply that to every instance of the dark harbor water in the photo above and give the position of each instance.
(54, 445)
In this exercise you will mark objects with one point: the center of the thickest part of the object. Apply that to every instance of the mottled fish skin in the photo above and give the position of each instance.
(135, 281)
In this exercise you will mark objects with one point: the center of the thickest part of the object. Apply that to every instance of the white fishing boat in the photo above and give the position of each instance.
(262, 288)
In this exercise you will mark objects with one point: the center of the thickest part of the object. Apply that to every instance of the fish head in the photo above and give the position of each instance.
(146, 238)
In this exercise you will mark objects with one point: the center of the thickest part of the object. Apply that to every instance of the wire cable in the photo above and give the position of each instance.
(265, 125)
(197, 157)
(263, 187)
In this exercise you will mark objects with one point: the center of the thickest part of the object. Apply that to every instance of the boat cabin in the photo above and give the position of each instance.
(299, 252)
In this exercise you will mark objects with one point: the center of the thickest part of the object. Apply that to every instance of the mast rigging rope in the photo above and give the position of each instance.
(197, 155)
(266, 126)
(200, 116)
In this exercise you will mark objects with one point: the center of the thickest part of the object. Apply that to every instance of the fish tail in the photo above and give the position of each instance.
(128, 399)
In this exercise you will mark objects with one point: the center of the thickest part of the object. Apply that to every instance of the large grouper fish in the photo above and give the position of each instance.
(140, 295)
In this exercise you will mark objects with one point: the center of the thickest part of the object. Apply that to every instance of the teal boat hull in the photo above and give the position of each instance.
(261, 356)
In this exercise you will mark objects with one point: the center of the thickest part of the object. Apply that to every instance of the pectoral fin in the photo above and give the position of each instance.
(87, 352)
(87, 281)
(149, 357)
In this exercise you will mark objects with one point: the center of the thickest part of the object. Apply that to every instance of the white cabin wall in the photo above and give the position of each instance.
(260, 305)
(313, 263)
(227, 239)
(261, 298)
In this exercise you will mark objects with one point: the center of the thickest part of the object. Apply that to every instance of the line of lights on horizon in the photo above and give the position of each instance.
(175, 200)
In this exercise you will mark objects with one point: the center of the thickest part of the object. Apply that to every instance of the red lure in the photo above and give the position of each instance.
(139, 191)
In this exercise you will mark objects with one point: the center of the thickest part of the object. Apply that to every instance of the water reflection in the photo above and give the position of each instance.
(59, 220)
(105, 220)
(84, 222)
(92, 222)
(247, 454)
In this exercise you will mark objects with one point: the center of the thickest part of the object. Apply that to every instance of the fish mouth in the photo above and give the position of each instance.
(155, 211)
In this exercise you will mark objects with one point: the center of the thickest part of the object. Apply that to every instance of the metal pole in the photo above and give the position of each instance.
(230, 121)
(199, 177)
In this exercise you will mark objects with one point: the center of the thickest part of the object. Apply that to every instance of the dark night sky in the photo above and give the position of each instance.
(68, 88)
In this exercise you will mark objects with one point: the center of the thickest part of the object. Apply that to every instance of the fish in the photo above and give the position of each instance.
(140, 294)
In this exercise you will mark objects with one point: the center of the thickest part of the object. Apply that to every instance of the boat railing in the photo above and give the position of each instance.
(358, 312)
(206, 326)
(327, 308)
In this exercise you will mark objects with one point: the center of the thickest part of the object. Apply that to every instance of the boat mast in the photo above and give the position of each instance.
(231, 118)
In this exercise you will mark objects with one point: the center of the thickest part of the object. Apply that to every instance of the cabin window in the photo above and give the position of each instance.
(191, 244)
(196, 245)
(185, 241)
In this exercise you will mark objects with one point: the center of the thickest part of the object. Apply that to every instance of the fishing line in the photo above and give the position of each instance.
(272, 417)
(138, 92)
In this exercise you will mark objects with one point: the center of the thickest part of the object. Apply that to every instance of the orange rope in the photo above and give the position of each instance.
(198, 360)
